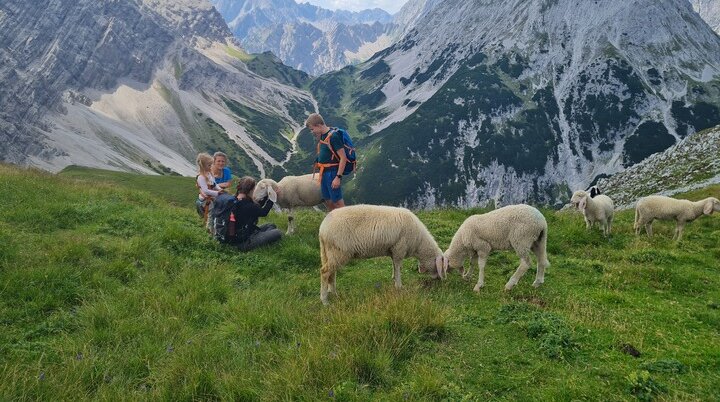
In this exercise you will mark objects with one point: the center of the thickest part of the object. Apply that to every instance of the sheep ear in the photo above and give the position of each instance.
(708, 209)
(582, 203)
(272, 195)
(439, 264)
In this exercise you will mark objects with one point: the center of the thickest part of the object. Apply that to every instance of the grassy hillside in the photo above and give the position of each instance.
(114, 293)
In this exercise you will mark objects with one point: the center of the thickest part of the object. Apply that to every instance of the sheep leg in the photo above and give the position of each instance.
(609, 226)
(679, 231)
(648, 228)
(522, 268)
(473, 263)
(331, 282)
(481, 261)
(540, 250)
(324, 285)
(397, 264)
(587, 224)
(291, 222)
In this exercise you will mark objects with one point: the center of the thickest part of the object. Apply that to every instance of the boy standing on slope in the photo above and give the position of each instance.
(331, 160)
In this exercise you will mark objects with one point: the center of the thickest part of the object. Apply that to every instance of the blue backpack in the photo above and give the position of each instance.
(349, 150)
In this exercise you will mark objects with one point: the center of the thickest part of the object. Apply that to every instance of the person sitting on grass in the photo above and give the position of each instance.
(246, 212)
(222, 174)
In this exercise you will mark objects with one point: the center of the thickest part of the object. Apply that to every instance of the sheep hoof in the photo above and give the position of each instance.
(509, 287)
(537, 284)
(478, 287)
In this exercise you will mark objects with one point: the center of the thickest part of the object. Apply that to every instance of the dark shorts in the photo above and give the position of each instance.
(328, 192)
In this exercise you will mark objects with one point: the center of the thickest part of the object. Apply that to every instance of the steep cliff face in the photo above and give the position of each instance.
(304, 36)
(709, 10)
(516, 101)
(135, 85)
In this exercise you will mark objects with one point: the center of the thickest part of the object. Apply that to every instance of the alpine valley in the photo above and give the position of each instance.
(139, 85)
(468, 103)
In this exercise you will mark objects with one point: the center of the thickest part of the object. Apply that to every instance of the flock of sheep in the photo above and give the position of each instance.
(383, 231)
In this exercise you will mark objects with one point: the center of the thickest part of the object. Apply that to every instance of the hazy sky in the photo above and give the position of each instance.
(391, 6)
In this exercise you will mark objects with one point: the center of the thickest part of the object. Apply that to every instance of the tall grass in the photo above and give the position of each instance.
(109, 292)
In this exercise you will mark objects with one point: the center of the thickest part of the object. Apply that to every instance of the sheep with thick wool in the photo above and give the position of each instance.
(518, 227)
(598, 209)
(366, 231)
(665, 208)
(291, 192)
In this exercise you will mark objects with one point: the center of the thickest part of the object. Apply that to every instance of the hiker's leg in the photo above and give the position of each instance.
(259, 239)
(267, 226)
(200, 207)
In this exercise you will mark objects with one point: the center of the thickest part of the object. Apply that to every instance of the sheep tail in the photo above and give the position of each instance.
(540, 248)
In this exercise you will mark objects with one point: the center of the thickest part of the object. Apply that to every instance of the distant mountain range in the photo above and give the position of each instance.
(516, 101)
(313, 39)
(505, 101)
(139, 85)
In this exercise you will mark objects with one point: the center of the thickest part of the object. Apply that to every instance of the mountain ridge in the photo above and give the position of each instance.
(304, 36)
(140, 85)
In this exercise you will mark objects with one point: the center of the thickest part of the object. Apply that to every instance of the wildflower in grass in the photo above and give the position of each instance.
(257, 344)
(41, 376)
(331, 394)
(170, 349)
(377, 285)
(79, 356)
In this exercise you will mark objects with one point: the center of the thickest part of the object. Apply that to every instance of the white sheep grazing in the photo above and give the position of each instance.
(665, 208)
(519, 227)
(366, 231)
(292, 192)
(599, 209)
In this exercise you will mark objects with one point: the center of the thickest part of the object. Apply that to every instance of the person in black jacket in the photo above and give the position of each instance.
(248, 235)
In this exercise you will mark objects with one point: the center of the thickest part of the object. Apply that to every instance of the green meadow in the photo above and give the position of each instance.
(110, 289)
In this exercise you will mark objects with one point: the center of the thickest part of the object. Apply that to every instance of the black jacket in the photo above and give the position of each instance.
(246, 217)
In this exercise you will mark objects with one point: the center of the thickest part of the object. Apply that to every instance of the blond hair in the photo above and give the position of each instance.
(202, 159)
(218, 153)
(314, 120)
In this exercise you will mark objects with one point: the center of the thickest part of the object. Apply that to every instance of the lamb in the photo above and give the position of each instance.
(292, 192)
(366, 231)
(596, 210)
(665, 208)
(519, 227)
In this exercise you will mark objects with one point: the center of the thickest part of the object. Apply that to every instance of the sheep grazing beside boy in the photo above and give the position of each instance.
(292, 192)
(366, 231)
